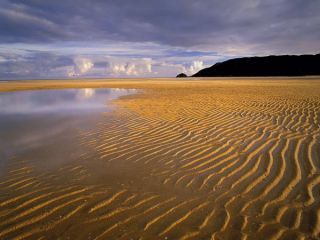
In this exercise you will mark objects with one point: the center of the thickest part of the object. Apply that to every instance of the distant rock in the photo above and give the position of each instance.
(181, 75)
(285, 65)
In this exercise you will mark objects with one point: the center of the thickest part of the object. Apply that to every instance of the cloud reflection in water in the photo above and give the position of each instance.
(59, 101)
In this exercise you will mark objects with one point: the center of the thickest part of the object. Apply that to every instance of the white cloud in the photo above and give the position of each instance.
(172, 69)
(129, 67)
(118, 68)
(148, 63)
(167, 69)
(195, 67)
(99, 65)
(82, 65)
(71, 72)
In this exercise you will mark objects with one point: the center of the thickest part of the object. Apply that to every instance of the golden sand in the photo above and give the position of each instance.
(189, 159)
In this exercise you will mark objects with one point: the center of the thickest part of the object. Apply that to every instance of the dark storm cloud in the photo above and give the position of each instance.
(177, 23)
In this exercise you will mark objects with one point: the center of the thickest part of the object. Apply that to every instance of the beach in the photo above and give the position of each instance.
(216, 158)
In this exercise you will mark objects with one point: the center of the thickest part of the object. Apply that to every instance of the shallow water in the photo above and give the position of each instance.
(30, 119)
(59, 101)
(218, 160)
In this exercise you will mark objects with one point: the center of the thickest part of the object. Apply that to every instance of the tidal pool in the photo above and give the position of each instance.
(43, 124)
(67, 101)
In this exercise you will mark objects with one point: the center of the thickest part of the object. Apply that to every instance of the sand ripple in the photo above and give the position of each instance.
(211, 160)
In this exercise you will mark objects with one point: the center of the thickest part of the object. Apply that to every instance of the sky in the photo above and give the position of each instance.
(45, 39)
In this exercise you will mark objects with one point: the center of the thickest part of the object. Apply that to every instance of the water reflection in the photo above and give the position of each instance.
(51, 101)
(86, 93)
(40, 124)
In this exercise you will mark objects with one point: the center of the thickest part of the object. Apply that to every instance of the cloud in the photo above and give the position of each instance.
(21, 23)
(82, 65)
(47, 65)
(147, 38)
(195, 67)
(34, 65)
(129, 67)
(202, 24)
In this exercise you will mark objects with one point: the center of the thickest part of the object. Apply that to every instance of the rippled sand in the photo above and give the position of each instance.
(214, 159)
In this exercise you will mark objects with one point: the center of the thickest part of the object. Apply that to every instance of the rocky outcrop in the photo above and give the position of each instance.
(181, 75)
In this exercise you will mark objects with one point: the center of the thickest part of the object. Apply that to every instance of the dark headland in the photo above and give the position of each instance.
(285, 65)
(182, 75)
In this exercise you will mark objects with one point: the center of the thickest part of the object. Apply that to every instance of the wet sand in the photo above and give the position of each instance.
(181, 159)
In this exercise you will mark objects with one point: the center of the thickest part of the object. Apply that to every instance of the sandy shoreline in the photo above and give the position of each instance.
(143, 83)
(209, 159)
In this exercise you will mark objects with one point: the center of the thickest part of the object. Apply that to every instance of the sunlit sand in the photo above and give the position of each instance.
(178, 159)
